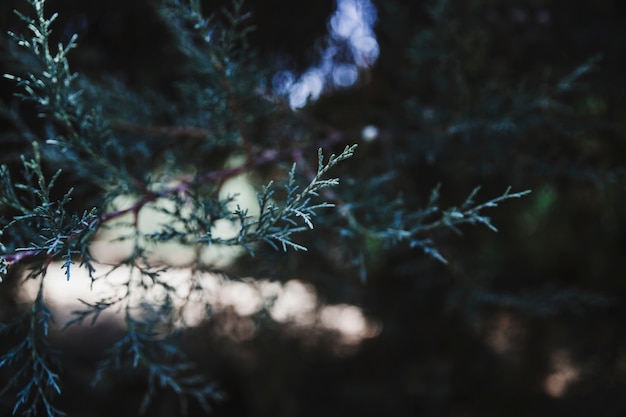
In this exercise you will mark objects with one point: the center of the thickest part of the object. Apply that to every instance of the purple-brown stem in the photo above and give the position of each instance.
(184, 185)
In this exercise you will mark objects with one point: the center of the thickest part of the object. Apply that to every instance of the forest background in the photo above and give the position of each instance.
(442, 96)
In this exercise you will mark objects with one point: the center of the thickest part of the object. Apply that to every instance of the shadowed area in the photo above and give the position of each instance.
(405, 302)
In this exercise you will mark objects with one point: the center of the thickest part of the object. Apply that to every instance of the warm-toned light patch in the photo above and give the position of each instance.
(504, 333)
(564, 373)
(199, 294)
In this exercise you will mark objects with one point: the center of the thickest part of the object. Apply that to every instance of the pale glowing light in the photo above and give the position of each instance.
(108, 248)
(504, 333)
(564, 373)
(308, 87)
(345, 75)
(296, 303)
(198, 295)
(350, 47)
(353, 23)
(283, 81)
(369, 133)
(346, 19)
(244, 298)
(349, 321)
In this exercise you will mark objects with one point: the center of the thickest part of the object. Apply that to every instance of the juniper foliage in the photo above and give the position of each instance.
(224, 114)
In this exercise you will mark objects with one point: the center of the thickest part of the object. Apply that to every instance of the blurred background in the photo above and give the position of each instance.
(526, 321)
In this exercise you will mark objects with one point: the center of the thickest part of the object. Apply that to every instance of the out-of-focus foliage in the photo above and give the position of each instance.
(155, 105)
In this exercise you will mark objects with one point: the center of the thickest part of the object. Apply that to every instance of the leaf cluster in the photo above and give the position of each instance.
(221, 103)
(40, 229)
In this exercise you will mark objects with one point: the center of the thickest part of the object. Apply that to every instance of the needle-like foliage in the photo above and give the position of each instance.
(114, 154)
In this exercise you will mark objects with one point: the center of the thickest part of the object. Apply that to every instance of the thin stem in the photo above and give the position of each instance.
(184, 185)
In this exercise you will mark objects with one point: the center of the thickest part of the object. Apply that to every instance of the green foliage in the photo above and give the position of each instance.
(395, 225)
(43, 226)
(34, 362)
(224, 113)
(473, 100)
(275, 225)
(166, 366)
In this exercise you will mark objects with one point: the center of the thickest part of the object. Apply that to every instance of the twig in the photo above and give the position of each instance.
(264, 158)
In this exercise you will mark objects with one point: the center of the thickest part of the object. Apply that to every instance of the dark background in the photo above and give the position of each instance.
(551, 282)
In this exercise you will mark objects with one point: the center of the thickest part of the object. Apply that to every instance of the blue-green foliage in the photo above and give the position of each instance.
(33, 361)
(112, 151)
